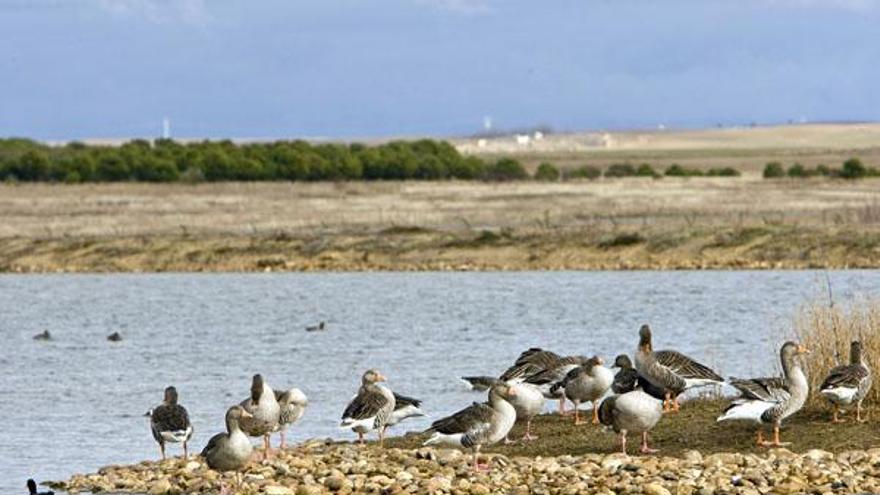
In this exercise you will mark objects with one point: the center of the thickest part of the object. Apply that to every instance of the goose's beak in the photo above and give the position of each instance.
(511, 392)
(245, 414)
(380, 378)
(601, 361)
(803, 350)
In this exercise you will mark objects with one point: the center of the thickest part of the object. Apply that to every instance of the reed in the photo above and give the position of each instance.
(827, 330)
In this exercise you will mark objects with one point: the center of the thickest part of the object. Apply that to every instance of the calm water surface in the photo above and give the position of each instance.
(76, 403)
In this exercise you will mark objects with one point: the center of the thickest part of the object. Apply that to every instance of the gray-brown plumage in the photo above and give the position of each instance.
(544, 369)
(670, 370)
(265, 412)
(293, 403)
(231, 450)
(631, 412)
(848, 383)
(771, 400)
(627, 379)
(169, 422)
(588, 382)
(479, 424)
(371, 409)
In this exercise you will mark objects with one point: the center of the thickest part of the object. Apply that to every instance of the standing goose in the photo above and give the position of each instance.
(371, 409)
(586, 383)
(528, 399)
(169, 422)
(771, 400)
(671, 370)
(631, 412)
(543, 369)
(232, 450)
(627, 379)
(478, 424)
(405, 408)
(264, 410)
(848, 383)
(293, 405)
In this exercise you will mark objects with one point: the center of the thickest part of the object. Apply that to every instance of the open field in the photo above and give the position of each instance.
(746, 149)
(607, 224)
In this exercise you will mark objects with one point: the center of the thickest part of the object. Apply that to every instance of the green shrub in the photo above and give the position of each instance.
(582, 172)
(506, 169)
(797, 171)
(774, 170)
(823, 169)
(646, 170)
(676, 170)
(547, 172)
(620, 170)
(723, 172)
(853, 169)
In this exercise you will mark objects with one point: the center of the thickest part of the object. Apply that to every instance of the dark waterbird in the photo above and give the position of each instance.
(114, 337)
(44, 335)
(316, 328)
(32, 489)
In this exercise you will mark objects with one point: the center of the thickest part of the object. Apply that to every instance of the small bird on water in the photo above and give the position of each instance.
(32, 489)
(114, 337)
(316, 328)
(44, 335)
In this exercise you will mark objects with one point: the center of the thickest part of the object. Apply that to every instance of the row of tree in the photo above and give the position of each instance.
(851, 169)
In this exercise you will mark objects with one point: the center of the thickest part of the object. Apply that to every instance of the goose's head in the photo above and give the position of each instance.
(593, 362)
(234, 415)
(623, 362)
(372, 376)
(171, 396)
(502, 390)
(257, 384)
(645, 338)
(790, 350)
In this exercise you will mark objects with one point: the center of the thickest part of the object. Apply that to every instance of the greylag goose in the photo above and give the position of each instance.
(477, 425)
(671, 370)
(543, 369)
(293, 405)
(32, 489)
(848, 383)
(232, 450)
(771, 400)
(631, 412)
(264, 410)
(627, 379)
(588, 382)
(371, 408)
(169, 422)
(528, 401)
(405, 408)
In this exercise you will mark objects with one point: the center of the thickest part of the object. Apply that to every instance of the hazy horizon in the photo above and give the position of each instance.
(354, 69)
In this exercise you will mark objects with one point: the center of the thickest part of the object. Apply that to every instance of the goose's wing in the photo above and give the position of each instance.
(479, 383)
(625, 381)
(366, 404)
(773, 389)
(531, 362)
(571, 375)
(473, 420)
(213, 443)
(170, 418)
(686, 367)
(849, 375)
(401, 401)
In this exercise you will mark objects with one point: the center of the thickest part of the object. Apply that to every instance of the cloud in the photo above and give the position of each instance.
(192, 12)
(466, 7)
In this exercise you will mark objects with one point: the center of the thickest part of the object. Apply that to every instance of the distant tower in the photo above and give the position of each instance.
(166, 128)
(487, 123)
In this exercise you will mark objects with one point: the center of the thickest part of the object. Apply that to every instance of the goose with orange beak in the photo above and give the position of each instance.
(371, 409)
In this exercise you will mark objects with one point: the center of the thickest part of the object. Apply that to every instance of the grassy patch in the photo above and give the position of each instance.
(621, 240)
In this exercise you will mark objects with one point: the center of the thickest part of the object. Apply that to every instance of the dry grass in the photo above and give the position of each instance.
(827, 331)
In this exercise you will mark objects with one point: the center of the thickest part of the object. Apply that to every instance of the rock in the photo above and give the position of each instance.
(277, 490)
(655, 489)
(721, 459)
(479, 489)
(818, 455)
(693, 456)
(160, 487)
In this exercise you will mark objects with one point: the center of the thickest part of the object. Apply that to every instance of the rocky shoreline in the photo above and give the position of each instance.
(317, 467)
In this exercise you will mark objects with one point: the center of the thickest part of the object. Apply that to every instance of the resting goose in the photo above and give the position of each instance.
(848, 383)
(528, 401)
(264, 410)
(405, 408)
(477, 425)
(586, 383)
(631, 412)
(371, 409)
(169, 422)
(32, 489)
(232, 450)
(671, 370)
(293, 405)
(771, 400)
(627, 379)
(543, 369)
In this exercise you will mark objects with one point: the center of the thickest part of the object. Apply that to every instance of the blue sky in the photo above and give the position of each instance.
(358, 68)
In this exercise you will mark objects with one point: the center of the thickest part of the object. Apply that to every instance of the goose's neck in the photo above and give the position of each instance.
(796, 377)
(855, 357)
(232, 425)
(501, 404)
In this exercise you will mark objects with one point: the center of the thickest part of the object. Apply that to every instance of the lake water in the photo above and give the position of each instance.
(76, 403)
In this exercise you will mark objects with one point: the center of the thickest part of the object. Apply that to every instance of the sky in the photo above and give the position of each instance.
(75, 69)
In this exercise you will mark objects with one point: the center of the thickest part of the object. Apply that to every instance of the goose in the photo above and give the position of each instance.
(631, 412)
(478, 424)
(232, 450)
(771, 400)
(671, 370)
(371, 408)
(848, 383)
(528, 401)
(316, 328)
(293, 405)
(588, 382)
(32, 489)
(405, 408)
(543, 369)
(627, 379)
(264, 410)
(169, 422)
